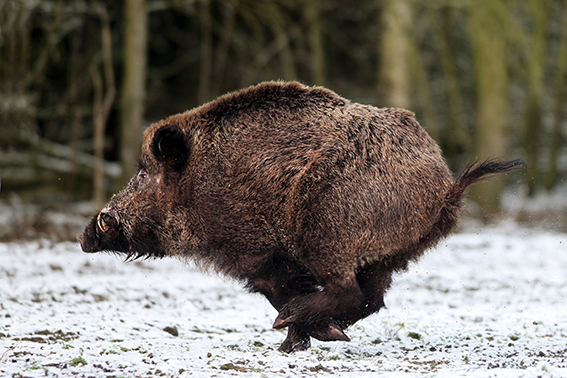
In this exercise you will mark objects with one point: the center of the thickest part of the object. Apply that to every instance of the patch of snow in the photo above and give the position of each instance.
(554, 200)
(490, 303)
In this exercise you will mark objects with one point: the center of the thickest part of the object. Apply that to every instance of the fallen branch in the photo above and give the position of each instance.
(61, 151)
(85, 164)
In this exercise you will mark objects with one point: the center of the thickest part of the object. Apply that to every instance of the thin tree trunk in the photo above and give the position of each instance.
(422, 87)
(394, 75)
(74, 76)
(281, 33)
(313, 15)
(489, 53)
(560, 100)
(134, 85)
(206, 52)
(457, 137)
(222, 54)
(536, 60)
(99, 126)
(101, 106)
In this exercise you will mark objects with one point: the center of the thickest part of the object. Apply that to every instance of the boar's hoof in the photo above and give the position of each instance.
(324, 331)
(321, 330)
(280, 323)
(329, 332)
(296, 341)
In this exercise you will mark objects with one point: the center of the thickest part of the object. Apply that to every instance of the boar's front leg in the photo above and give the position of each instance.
(296, 340)
(278, 294)
(282, 280)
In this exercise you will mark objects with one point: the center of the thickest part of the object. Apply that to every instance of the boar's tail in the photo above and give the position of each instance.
(475, 172)
(446, 219)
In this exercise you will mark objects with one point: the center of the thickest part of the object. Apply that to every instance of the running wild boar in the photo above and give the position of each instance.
(303, 196)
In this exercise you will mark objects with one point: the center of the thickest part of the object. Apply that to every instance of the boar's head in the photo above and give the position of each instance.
(138, 220)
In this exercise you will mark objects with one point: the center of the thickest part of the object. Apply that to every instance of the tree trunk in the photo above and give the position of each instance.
(422, 87)
(560, 99)
(487, 32)
(394, 74)
(221, 57)
(99, 127)
(134, 85)
(456, 138)
(538, 10)
(206, 52)
(280, 27)
(313, 15)
(101, 106)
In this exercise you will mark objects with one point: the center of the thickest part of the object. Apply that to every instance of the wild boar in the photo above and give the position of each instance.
(303, 196)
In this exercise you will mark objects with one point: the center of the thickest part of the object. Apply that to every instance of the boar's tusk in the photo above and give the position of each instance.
(101, 224)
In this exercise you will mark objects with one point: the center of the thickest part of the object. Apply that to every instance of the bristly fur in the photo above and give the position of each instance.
(303, 196)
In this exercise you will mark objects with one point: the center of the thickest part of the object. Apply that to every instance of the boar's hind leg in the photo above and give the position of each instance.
(325, 314)
(373, 280)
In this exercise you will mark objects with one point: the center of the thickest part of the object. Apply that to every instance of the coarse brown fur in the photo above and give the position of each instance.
(306, 197)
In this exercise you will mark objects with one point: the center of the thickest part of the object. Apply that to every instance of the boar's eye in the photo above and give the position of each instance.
(142, 178)
(142, 175)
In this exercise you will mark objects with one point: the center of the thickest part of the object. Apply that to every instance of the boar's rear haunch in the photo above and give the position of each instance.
(305, 197)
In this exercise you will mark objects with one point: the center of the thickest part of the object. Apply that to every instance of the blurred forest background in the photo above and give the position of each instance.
(81, 79)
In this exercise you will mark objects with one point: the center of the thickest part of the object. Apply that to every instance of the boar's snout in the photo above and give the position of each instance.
(101, 234)
(86, 244)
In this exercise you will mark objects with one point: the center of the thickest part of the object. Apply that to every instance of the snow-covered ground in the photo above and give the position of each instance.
(490, 303)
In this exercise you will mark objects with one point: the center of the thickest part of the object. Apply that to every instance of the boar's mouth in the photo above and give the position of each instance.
(103, 234)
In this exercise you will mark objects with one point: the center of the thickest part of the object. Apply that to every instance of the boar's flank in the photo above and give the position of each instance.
(304, 196)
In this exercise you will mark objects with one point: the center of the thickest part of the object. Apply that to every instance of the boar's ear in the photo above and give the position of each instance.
(169, 146)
